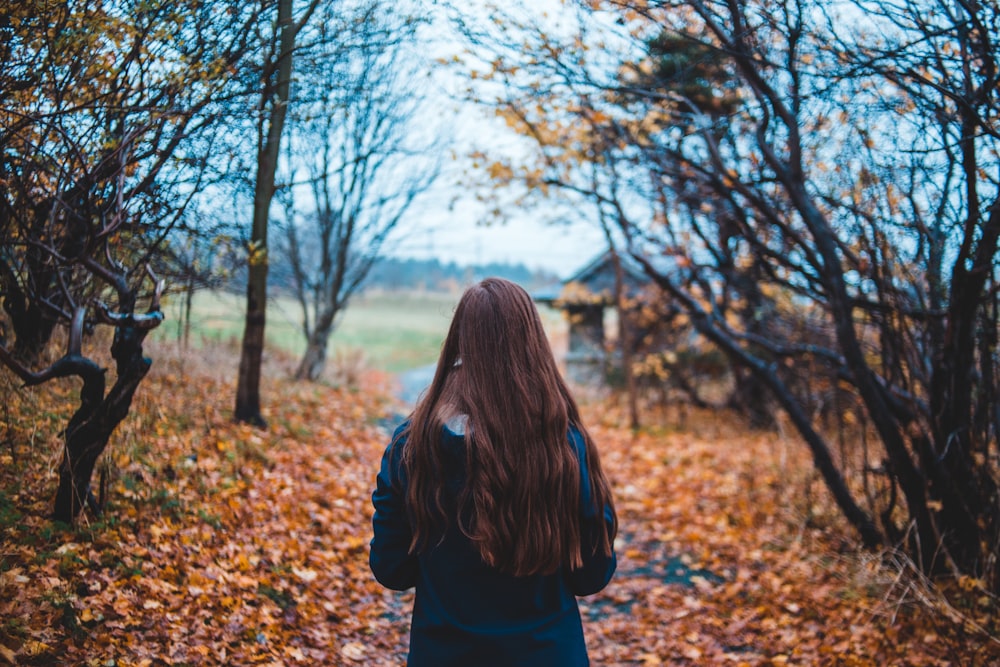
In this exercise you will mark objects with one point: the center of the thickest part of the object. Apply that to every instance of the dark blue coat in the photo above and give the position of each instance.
(467, 613)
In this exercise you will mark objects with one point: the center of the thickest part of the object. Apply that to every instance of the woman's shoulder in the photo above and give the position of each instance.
(457, 424)
(453, 430)
(398, 439)
(401, 431)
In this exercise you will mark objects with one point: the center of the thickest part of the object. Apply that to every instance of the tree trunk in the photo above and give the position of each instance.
(751, 398)
(878, 403)
(32, 329)
(969, 512)
(625, 343)
(186, 323)
(314, 360)
(275, 96)
(98, 416)
(248, 385)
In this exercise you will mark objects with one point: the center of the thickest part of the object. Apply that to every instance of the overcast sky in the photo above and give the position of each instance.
(447, 224)
(455, 236)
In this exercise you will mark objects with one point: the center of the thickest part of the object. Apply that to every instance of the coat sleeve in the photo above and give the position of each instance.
(597, 568)
(390, 561)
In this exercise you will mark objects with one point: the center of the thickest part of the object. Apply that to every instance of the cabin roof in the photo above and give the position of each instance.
(597, 277)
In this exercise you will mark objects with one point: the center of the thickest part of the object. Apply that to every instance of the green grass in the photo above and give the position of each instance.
(394, 331)
(397, 331)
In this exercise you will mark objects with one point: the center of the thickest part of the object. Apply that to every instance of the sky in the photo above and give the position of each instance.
(455, 236)
(448, 223)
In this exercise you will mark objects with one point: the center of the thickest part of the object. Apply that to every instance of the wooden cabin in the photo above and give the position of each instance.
(583, 298)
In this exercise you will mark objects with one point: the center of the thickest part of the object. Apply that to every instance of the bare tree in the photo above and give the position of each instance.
(275, 98)
(198, 258)
(357, 136)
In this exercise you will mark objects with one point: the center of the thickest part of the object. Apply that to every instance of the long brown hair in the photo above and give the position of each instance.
(520, 503)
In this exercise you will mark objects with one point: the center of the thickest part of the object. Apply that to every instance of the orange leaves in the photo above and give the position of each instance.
(355, 651)
(232, 541)
(229, 545)
(719, 562)
(500, 172)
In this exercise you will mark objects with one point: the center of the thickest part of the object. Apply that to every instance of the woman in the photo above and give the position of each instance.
(491, 500)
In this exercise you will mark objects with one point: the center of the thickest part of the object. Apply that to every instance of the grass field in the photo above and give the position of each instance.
(391, 331)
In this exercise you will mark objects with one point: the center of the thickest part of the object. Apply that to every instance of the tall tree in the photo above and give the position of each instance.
(272, 110)
(355, 134)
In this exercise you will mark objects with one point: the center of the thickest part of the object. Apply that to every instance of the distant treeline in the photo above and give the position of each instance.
(394, 273)
(431, 274)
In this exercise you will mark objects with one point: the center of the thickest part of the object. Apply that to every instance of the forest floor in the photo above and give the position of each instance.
(225, 544)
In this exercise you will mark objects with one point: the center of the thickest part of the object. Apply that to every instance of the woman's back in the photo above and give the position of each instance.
(502, 519)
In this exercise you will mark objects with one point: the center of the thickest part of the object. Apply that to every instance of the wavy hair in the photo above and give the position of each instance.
(520, 502)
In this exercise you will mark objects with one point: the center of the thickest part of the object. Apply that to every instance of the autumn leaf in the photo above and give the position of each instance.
(256, 552)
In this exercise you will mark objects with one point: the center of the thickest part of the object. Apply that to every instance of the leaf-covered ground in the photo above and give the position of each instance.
(223, 544)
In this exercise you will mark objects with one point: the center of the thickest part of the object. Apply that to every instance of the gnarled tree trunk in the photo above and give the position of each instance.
(95, 421)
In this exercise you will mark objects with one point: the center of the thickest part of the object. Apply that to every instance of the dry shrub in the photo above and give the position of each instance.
(961, 610)
(347, 367)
